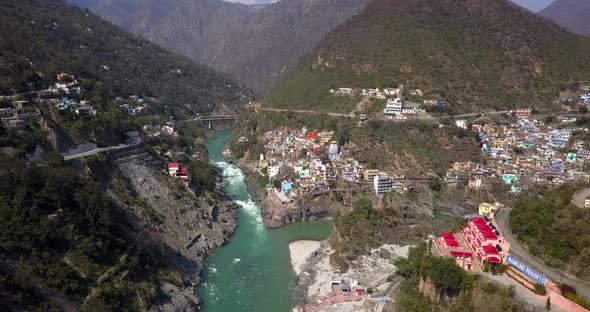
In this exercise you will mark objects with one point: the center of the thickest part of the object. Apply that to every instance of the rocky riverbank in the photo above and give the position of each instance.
(184, 226)
(374, 272)
(300, 211)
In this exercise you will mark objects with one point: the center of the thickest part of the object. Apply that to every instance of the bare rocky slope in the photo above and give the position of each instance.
(189, 227)
(570, 14)
(255, 44)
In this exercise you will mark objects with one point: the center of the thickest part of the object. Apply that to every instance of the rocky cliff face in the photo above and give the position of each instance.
(185, 226)
(308, 210)
(255, 44)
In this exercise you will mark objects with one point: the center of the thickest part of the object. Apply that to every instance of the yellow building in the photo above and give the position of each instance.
(485, 208)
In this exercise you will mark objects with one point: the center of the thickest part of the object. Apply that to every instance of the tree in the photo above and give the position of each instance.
(2, 129)
(548, 304)
(583, 110)
(202, 174)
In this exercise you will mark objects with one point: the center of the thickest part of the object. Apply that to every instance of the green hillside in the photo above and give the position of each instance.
(40, 38)
(474, 54)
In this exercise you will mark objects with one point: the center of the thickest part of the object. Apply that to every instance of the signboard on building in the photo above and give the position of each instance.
(532, 274)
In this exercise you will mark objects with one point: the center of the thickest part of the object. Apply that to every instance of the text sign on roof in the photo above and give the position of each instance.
(532, 274)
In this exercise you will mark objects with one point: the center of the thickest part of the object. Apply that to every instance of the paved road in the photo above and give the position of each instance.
(98, 150)
(518, 251)
(302, 111)
(352, 115)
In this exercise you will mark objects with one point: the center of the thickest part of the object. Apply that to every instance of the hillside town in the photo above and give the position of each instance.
(397, 106)
(526, 153)
(304, 163)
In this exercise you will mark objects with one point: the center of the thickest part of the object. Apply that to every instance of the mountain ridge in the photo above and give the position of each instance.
(44, 38)
(492, 55)
(256, 45)
(571, 14)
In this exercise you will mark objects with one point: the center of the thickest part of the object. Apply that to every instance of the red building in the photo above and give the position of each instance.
(483, 240)
(522, 113)
(183, 175)
(477, 242)
(449, 245)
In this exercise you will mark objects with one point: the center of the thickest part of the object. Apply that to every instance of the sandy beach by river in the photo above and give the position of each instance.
(315, 272)
(300, 251)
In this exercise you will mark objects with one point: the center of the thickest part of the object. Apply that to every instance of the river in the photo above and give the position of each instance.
(253, 271)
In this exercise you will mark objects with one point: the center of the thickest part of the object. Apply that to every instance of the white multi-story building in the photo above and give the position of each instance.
(382, 183)
(273, 171)
(462, 123)
(393, 107)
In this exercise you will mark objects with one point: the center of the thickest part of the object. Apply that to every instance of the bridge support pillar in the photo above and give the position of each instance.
(209, 124)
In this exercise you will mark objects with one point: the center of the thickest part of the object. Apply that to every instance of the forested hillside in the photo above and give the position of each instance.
(40, 38)
(110, 231)
(474, 54)
(555, 230)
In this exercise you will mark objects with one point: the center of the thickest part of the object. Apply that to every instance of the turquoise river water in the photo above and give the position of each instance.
(253, 272)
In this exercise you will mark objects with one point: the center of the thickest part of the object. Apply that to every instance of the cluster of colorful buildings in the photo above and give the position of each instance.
(524, 153)
(134, 104)
(311, 162)
(179, 172)
(397, 106)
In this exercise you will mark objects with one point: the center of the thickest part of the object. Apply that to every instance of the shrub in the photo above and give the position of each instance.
(540, 290)
(486, 266)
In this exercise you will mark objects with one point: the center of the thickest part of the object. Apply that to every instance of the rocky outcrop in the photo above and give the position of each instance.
(304, 210)
(186, 227)
(301, 211)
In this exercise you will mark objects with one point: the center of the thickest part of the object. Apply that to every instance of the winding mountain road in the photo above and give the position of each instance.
(518, 251)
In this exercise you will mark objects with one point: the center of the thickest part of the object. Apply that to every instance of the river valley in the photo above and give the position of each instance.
(253, 271)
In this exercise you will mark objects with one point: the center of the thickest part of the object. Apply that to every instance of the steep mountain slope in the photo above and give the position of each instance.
(42, 38)
(474, 54)
(254, 44)
(571, 14)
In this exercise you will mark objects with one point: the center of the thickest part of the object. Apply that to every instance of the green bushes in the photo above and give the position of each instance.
(555, 230)
(455, 289)
(578, 299)
(202, 173)
(364, 228)
(65, 231)
(540, 290)
(570, 292)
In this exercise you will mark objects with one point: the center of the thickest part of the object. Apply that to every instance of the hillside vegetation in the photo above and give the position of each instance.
(436, 284)
(40, 38)
(475, 54)
(555, 230)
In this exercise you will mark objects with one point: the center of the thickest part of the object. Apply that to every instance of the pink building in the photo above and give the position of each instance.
(450, 246)
(484, 241)
(522, 113)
